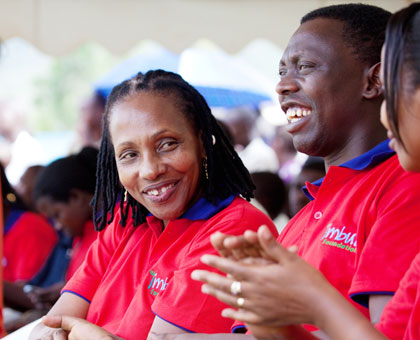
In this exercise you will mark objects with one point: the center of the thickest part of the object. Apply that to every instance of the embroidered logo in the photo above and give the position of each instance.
(157, 284)
(336, 237)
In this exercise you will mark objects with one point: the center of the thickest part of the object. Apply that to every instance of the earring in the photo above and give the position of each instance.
(206, 173)
(125, 195)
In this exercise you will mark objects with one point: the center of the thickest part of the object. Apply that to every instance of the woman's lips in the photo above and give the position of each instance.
(162, 193)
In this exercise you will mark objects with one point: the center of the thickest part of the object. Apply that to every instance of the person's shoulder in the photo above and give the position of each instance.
(241, 209)
(394, 170)
(37, 220)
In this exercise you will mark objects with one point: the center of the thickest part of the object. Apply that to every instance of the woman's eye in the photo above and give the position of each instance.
(127, 155)
(168, 145)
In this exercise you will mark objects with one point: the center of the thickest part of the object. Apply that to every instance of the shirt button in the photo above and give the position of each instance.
(317, 215)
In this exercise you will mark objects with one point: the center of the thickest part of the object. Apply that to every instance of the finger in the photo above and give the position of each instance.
(236, 269)
(217, 240)
(293, 249)
(59, 334)
(60, 321)
(215, 280)
(53, 321)
(251, 237)
(220, 295)
(271, 246)
(68, 322)
(234, 242)
(241, 247)
(241, 315)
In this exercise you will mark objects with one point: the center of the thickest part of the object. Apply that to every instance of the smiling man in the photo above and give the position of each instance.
(361, 227)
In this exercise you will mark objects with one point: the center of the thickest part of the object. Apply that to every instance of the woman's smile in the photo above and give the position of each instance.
(160, 193)
(158, 153)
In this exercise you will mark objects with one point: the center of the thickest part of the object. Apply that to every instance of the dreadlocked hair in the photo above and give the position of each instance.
(227, 174)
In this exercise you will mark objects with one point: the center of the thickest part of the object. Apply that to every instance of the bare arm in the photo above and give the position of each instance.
(67, 304)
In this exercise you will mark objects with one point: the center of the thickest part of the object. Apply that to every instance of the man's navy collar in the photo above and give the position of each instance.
(203, 209)
(374, 156)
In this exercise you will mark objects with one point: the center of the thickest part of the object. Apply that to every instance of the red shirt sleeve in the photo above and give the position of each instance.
(27, 245)
(80, 248)
(86, 279)
(183, 291)
(404, 308)
(388, 252)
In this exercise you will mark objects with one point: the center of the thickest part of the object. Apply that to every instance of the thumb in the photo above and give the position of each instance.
(270, 245)
(60, 321)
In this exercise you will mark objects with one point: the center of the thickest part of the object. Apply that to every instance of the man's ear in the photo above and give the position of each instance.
(373, 86)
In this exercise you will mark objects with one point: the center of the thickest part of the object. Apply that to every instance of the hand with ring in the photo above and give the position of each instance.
(281, 293)
(235, 288)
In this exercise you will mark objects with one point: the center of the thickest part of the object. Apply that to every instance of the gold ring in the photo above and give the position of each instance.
(240, 302)
(235, 288)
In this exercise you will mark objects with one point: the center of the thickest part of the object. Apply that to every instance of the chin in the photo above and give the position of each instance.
(409, 164)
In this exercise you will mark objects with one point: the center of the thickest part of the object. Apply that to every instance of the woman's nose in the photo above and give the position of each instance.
(151, 167)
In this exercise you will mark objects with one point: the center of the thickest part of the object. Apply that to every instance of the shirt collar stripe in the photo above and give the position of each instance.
(378, 154)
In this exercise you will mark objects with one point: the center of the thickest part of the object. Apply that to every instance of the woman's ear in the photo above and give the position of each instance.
(373, 87)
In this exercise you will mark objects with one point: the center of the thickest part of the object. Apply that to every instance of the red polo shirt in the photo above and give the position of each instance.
(80, 248)
(132, 274)
(361, 227)
(28, 239)
(401, 316)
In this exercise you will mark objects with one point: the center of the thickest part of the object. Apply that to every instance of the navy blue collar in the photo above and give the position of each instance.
(374, 156)
(203, 209)
(11, 219)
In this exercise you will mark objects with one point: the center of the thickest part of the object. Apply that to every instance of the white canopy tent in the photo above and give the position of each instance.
(58, 26)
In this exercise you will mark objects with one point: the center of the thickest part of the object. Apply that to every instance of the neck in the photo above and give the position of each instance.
(358, 144)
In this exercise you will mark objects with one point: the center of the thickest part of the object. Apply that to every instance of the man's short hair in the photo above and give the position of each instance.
(363, 30)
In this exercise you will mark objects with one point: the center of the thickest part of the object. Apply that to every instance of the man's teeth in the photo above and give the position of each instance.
(156, 192)
(295, 113)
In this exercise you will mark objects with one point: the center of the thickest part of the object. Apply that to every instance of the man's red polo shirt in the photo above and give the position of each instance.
(361, 229)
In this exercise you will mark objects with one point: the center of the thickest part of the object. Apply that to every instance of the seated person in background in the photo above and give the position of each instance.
(312, 170)
(182, 181)
(62, 192)
(28, 241)
(254, 152)
(28, 238)
(26, 183)
(282, 144)
(270, 196)
(89, 125)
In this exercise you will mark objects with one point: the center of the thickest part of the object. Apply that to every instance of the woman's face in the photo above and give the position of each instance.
(408, 125)
(158, 153)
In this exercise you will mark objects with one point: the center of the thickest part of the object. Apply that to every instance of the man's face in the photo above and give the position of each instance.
(320, 88)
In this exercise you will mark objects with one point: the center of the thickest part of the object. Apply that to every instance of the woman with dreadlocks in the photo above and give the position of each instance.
(180, 181)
